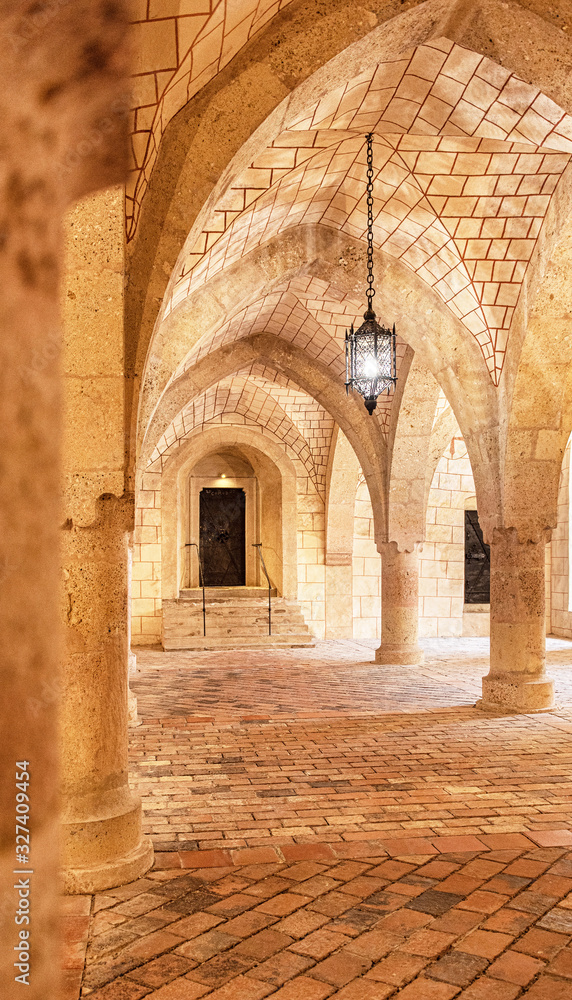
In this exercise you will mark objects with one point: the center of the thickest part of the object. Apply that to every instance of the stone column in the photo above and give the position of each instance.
(399, 606)
(517, 679)
(102, 841)
(29, 571)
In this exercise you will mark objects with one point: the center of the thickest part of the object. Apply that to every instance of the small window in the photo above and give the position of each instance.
(477, 562)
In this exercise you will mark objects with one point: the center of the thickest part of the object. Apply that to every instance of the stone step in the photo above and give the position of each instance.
(195, 627)
(237, 615)
(238, 642)
(243, 603)
(226, 593)
(232, 623)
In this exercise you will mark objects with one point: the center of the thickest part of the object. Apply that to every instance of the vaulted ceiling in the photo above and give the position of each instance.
(469, 160)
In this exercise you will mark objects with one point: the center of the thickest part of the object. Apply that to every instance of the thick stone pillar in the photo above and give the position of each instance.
(102, 841)
(60, 139)
(517, 679)
(399, 606)
(29, 575)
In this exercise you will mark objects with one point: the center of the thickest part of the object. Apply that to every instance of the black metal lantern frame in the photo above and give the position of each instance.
(371, 366)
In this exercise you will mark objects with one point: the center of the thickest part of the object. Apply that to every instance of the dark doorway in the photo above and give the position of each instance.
(477, 562)
(222, 536)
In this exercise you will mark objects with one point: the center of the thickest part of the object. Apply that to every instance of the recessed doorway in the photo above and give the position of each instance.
(223, 536)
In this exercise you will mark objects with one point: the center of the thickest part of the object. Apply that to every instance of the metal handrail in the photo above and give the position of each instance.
(258, 547)
(193, 545)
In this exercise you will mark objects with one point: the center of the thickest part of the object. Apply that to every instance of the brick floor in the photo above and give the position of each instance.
(368, 943)
(374, 836)
(349, 751)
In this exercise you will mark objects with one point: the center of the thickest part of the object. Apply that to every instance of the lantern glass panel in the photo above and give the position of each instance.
(372, 362)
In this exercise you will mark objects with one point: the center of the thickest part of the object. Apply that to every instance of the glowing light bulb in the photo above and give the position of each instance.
(223, 475)
(370, 368)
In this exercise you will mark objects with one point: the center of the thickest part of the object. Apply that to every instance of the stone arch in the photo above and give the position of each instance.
(453, 359)
(412, 421)
(442, 560)
(343, 472)
(366, 568)
(538, 387)
(213, 403)
(560, 561)
(441, 434)
(487, 27)
(314, 378)
(275, 468)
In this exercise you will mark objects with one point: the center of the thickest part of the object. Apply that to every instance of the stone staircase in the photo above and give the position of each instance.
(236, 618)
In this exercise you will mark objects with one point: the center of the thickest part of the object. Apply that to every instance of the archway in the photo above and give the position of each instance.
(273, 520)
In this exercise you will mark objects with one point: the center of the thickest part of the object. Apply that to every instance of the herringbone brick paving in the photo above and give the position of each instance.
(334, 848)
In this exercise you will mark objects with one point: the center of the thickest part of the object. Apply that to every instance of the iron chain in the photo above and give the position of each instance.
(370, 290)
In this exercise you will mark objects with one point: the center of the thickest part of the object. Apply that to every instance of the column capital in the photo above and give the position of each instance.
(519, 535)
(399, 547)
(109, 510)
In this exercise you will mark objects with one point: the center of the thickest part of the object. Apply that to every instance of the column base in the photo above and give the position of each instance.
(107, 848)
(98, 877)
(406, 655)
(515, 692)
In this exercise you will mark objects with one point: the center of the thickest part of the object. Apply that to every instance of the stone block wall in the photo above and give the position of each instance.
(146, 610)
(311, 539)
(441, 579)
(366, 570)
(442, 560)
(146, 570)
(561, 617)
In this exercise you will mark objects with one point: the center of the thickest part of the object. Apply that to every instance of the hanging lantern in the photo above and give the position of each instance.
(370, 350)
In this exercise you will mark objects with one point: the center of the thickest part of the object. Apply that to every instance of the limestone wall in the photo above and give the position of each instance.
(441, 581)
(366, 570)
(561, 617)
(442, 563)
(311, 538)
(441, 566)
(146, 573)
